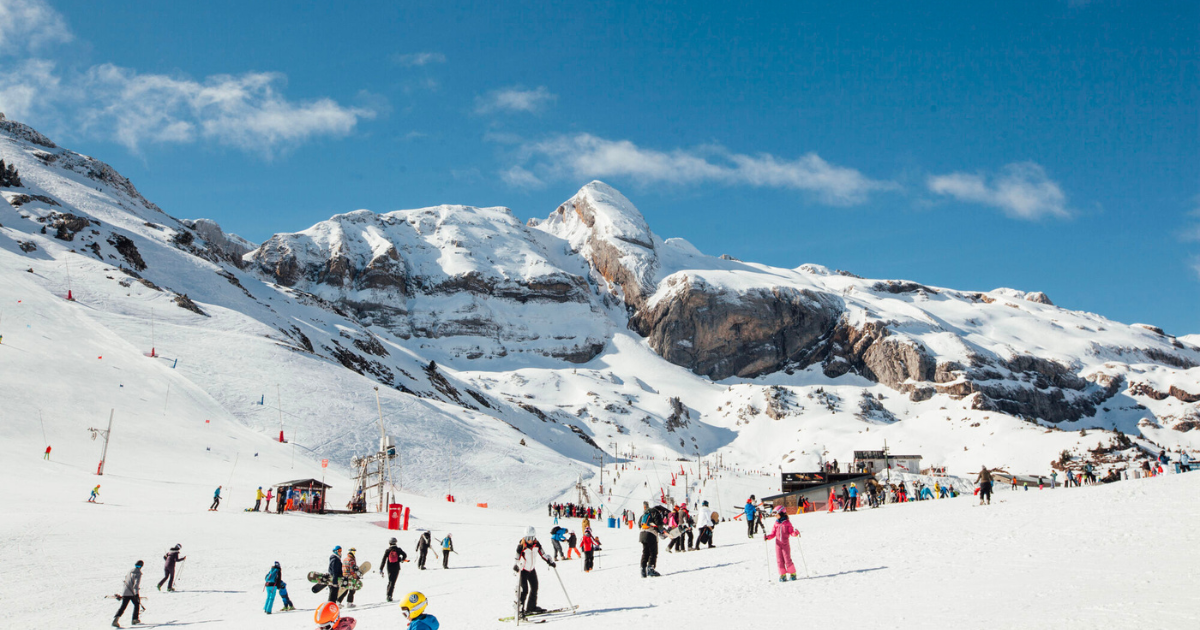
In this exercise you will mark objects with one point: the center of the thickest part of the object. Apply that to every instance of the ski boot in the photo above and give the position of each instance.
(792, 577)
(643, 571)
(782, 579)
(652, 573)
(115, 624)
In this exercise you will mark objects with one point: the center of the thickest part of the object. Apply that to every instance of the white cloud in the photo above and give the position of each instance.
(28, 25)
(514, 99)
(24, 87)
(1192, 233)
(410, 60)
(585, 156)
(1021, 190)
(518, 177)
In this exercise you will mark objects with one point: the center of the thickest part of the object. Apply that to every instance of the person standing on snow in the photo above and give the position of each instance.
(392, 557)
(984, 479)
(447, 548)
(706, 526)
(528, 550)
(335, 573)
(590, 545)
(651, 525)
(557, 536)
(423, 545)
(171, 558)
(131, 595)
(781, 534)
(95, 493)
(258, 497)
(750, 511)
(275, 584)
(47, 455)
(267, 507)
(414, 610)
(350, 570)
(853, 502)
(216, 500)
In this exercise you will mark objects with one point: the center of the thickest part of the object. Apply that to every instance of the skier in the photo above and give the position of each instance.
(275, 584)
(131, 594)
(783, 546)
(423, 545)
(758, 521)
(414, 610)
(853, 492)
(528, 550)
(171, 558)
(984, 479)
(47, 455)
(572, 540)
(392, 557)
(335, 573)
(590, 545)
(750, 511)
(216, 500)
(328, 617)
(447, 548)
(95, 493)
(350, 571)
(651, 524)
(706, 526)
(258, 497)
(557, 536)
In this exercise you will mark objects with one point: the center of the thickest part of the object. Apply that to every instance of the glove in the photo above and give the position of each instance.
(516, 569)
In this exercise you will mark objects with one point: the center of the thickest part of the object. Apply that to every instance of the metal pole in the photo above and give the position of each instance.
(279, 406)
(107, 434)
(564, 589)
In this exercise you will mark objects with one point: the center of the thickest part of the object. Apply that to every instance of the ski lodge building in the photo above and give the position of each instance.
(815, 487)
(872, 462)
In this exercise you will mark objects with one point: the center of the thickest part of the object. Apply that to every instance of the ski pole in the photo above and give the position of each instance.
(802, 560)
(564, 589)
(767, 549)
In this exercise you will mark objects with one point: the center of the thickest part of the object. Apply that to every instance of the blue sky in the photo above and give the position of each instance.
(1046, 145)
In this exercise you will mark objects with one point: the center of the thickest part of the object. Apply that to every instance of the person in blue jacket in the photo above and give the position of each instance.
(275, 584)
(853, 498)
(558, 536)
(751, 511)
(413, 608)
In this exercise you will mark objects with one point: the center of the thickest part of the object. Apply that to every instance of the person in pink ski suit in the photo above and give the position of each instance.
(782, 533)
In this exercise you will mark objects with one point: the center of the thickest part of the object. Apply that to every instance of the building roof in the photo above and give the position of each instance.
(880, 455)
(303, 483)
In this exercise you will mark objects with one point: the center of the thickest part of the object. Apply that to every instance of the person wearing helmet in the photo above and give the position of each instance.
(329, 617)
(335, 573)
(275, 584)
(528, 550)
(447, 549)
(853, 502)
(216, 500)
(392, 557)
(782, 532)
(350, 570)
(258, 497)
(169, 570)
(651, 524)
(131, 594)
(413, 607)
(95, 493)
(751, 512)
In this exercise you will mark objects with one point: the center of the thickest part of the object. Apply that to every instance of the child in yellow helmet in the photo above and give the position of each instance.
(413, 607)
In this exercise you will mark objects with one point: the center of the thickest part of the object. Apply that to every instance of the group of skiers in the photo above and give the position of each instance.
(571, 510)
(131, 592)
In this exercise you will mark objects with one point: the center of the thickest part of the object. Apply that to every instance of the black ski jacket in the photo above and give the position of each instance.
(400, 557)
(335, 566)
(172, 557)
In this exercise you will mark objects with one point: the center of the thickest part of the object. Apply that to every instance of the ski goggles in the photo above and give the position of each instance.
(405, 612)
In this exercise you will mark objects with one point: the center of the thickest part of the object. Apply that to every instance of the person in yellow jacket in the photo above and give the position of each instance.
(258, 497)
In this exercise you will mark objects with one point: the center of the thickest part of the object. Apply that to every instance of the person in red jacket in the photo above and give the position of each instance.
(590, 546)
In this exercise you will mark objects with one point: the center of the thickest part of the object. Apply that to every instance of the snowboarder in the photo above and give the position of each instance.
(985, 485)
(392, 557)
(258, 497)
(47, 455)
(335, 573)
(171, 558)
(275, 584)
(651, 524)
(95, 493)
(447, 548)
(216, 500)
(414, 610)
(557, 536)
(528, 550)
(423, 545)
(328, 617)
(350, 571)
(781, 534)
(131, 595)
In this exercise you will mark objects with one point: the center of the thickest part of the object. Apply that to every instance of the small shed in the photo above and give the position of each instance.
(302, 495)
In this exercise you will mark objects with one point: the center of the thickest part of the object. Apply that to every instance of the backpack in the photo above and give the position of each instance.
(393, 557)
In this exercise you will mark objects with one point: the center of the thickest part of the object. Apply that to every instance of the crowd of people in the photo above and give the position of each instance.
(572, 510)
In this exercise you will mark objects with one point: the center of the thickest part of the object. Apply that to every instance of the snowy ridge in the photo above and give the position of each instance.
(581, 333)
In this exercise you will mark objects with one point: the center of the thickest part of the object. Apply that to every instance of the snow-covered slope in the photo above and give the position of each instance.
(509, 357)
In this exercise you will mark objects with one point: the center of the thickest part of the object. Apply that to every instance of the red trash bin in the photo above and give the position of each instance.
(394, 512)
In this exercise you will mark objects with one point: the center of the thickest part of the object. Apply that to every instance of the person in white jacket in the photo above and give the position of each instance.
(704, 522)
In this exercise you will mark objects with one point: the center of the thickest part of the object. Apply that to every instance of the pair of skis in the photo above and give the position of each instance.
(517, 604)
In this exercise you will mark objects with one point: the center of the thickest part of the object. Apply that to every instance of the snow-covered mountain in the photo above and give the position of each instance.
(508, 355)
